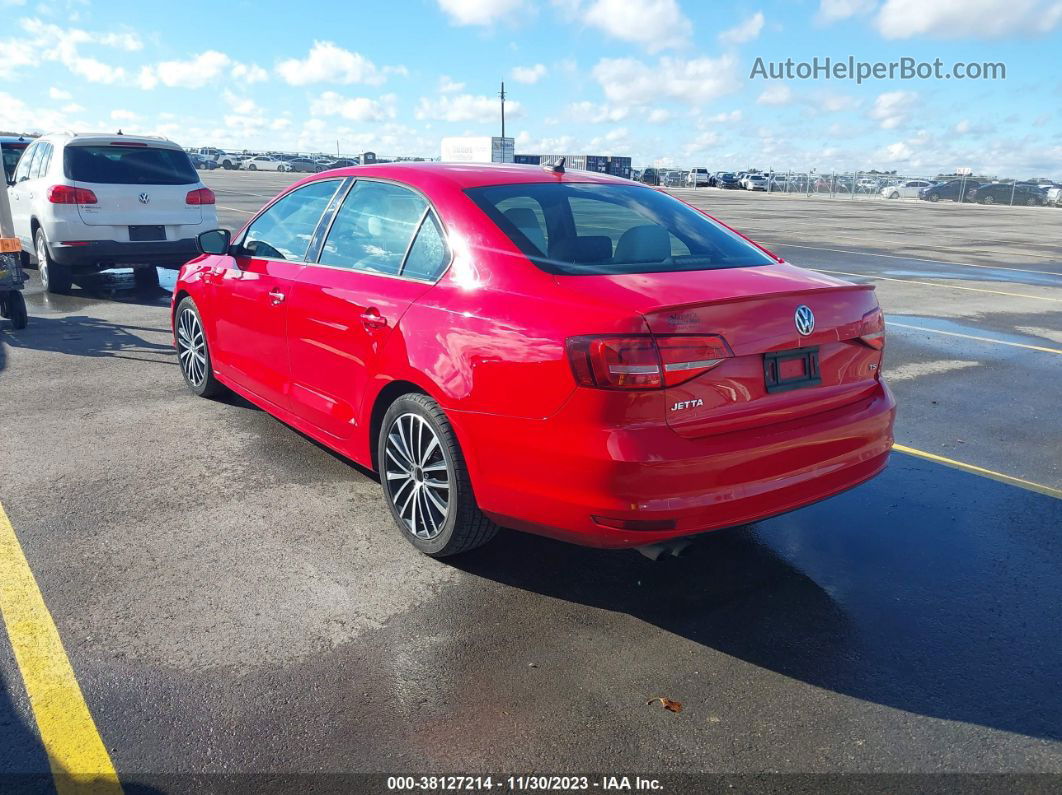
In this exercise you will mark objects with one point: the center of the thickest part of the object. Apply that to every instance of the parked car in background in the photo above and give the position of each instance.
(232, 160)
(955, 189)
(202, 162)
(206, 153)
(328, 165)
(697, 178)
(84, 203)
(755, 182)
(727, 179)
(907, 189)
(1054, 196)
(11, 149)
(303, 164)
(351, 308)
(650, 177)
(263, 163)
(1009, 193)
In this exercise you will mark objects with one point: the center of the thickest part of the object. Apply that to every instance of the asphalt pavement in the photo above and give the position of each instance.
(234, 599)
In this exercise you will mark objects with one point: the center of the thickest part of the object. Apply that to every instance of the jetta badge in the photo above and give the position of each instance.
(144, 198)
(804, 319)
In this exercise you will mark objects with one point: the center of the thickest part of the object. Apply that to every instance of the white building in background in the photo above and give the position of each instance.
(478, 149)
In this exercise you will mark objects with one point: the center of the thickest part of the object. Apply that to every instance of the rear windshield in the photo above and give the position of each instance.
(11, 153)
(128, 165)
(578, 229)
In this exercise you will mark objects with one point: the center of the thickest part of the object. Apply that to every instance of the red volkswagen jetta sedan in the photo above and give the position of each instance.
(569, 354)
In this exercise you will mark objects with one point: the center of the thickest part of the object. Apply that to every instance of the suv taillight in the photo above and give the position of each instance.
(68, 194)
(200, 196)
(643, 361)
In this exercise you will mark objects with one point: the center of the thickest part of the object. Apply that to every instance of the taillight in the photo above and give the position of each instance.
(872, 329)
(68, 194)
(200, 196)
(643, 361)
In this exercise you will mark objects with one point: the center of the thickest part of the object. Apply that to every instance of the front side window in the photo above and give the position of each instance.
(613, 229)
(125, 164)
(373, 228)
(285, 229)
(35, 164)
(11, 154)
(22, 171)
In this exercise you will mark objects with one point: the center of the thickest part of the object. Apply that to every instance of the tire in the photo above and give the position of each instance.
(146, 279)
(1033, 202)
(894, 195)
(16, 310)
(934, 197)
(55, 278)
(988, 200)
(252, 167)
(193, 352)
(415, 436)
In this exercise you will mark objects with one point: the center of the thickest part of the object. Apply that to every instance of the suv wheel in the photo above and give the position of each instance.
(55, 278)
(193, 352)
(426, 482)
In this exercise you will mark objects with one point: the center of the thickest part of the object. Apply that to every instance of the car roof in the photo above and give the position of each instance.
(16, 139)
(469, 175)
(107, 138)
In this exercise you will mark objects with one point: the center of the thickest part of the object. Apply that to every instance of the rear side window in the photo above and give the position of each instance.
(428, 256)
(39, 168)
(373, 228)
(128, 165)
(285, 229)
(610, 229)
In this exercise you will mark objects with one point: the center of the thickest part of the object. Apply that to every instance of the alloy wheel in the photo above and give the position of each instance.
(416, 471)
(42, 261)
(191, 347)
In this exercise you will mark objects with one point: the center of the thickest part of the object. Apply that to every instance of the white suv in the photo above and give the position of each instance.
(82, 203)
(697, 177)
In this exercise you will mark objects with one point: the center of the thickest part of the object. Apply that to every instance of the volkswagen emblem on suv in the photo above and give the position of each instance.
(804, 319)
(144, 198)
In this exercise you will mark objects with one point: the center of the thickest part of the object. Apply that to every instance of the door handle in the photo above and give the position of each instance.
(276, 297)
(372, 319)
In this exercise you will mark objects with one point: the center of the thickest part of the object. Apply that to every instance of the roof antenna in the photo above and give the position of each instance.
(119, 131)
(557, 168)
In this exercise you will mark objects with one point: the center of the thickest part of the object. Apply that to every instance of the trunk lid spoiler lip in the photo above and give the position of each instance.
(756, 297)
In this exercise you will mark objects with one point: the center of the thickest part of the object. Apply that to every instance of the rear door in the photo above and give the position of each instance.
(384, 250)
(135, 184)
(250, 291)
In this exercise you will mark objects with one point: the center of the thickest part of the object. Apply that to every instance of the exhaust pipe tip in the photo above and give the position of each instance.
(673, 548)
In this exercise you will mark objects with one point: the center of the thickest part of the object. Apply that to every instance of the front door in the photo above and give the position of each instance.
(251, 290)
(385, 249)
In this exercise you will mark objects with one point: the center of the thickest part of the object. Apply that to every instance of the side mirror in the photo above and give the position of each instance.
(216, 241)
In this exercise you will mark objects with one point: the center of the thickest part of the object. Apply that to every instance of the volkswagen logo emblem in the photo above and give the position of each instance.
(144, 198)
(804, 319)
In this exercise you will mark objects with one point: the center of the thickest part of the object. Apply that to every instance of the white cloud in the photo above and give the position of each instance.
(776, 94)
(359, 109)
(702, 143)
(59, 94)
(725, 118)
(196, 72)
(329, 63)
(73, 107)
(123, 115)
(654, 24)
(529, 74)
(466, 107)
(699, 80)
(589, 112)
(249, 73)
(892, 108)
(836, 10)
(901, 19)
(894, 153)
(478, 12)
(449, 86)
(53, 43)
(746, 31)
(658, 116)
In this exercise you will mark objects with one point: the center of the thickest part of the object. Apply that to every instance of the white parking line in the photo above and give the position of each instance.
(236, 210)
(917, 259)
(1040, 348)
(934, 284)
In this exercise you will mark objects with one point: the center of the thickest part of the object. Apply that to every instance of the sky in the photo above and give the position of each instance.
(667, 82)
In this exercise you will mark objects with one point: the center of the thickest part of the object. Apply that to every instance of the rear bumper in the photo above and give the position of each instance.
(99, 254)
(551, 476)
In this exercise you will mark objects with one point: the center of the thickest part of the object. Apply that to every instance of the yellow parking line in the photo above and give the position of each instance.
(972, 337)
(935, 284)
(78, 758)
(988, 473)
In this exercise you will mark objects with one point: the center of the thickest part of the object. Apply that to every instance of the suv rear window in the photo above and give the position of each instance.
(128, 165)
(584, 228)
(11, 153)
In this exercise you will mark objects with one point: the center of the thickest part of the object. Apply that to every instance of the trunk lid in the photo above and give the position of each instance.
(754, 310)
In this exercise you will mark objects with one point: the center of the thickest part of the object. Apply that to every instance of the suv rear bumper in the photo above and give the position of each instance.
(101, 254)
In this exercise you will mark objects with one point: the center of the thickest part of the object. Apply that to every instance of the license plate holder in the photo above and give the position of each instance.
(792, 369)
(143, 233)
